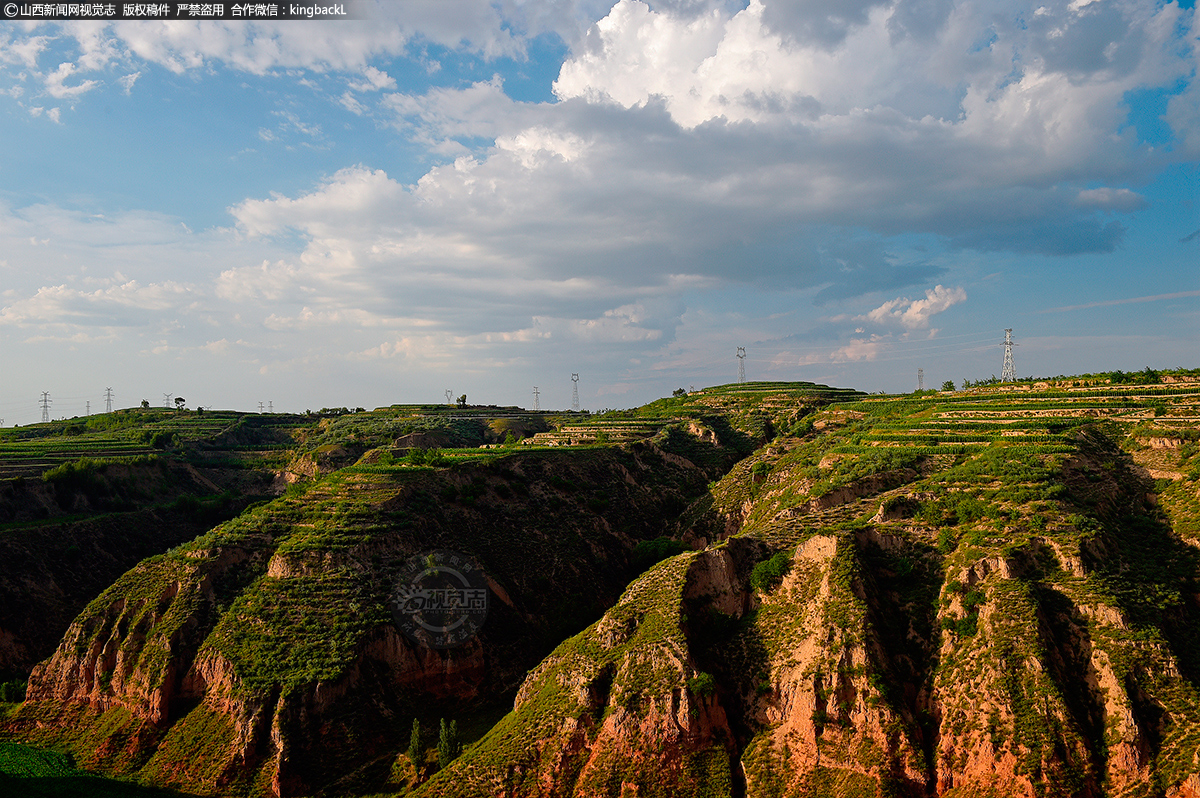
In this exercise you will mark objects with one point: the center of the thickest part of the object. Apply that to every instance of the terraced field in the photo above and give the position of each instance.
(974, 593)
(30, 450)
(990, 444)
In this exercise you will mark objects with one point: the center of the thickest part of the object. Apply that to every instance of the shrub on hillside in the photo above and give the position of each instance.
(767, 575)
(648, 552)
(76, 475)
(702, 684)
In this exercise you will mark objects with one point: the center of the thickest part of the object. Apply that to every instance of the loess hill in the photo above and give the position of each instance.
(983, 593)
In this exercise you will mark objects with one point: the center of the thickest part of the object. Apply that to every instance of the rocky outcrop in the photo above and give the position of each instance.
(623, 703)
(423, 440)
(134, 645)
(270, 637)
(320, 461)
(889, 659)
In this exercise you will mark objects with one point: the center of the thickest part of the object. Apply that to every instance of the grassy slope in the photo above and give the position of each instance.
(1041, 482)
(342, 517)
(1046, 479)
(34, 773)
(83, 500)
(576, 514)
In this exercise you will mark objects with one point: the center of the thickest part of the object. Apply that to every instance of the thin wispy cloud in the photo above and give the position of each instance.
(1128, 301)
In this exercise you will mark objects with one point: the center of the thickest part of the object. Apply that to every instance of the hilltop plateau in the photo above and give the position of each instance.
(768, 589)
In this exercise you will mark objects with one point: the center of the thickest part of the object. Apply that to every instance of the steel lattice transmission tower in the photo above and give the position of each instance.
(920, 379)
(575, 392)
(537, 403)
(450, 397)
(1009, 373)
(45, 407)
(108, 400)
(741, 354)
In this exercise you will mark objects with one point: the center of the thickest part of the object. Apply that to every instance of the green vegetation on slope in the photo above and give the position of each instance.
(914, 587)
(946, 568)
(36, 773)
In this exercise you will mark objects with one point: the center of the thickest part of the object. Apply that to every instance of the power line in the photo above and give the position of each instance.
(898, 345)
(575, 392)
(890, 350)
(1009, 372)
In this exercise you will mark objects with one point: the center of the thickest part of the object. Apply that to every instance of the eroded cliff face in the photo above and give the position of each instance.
(262, 656)
(621, 705)
(817, 691)
(66, 540)
(904, 599)
(1023, 626)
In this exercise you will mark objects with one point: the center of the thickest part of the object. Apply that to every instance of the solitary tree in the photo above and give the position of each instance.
(948, 385)
(462, 400)
(179, 401)
(145, 404)
(443, 751)
(414, 743)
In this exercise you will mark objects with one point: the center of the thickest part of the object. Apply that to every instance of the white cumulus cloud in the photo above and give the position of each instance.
(914, 314)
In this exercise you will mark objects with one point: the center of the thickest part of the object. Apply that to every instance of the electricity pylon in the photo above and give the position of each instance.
(741, 354)
(1009, 372)
(575, 393)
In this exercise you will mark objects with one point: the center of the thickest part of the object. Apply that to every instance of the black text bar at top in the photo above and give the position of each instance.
(228, 12)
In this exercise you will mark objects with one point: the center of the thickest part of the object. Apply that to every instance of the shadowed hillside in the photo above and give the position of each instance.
(963, 594)
(993, 592)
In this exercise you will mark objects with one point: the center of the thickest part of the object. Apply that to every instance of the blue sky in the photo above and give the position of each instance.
(485, 197)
